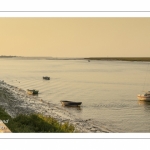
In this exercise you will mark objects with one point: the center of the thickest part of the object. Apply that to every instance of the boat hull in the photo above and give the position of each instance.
(46, 78)
(143, 98)
(70, 103)
(32, 92)
(29, 92)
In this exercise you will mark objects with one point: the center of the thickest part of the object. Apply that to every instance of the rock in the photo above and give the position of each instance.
(93, 129)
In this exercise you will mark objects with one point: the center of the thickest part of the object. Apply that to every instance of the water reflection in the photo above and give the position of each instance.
(73, 107)
(146, 105)
(106, 98)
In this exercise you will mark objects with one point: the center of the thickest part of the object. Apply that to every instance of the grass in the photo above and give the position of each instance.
(35, 123)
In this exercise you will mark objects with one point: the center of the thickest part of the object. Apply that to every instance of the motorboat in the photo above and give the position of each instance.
(144, 97)
(70, 103)
(46, 78)
(32, 92)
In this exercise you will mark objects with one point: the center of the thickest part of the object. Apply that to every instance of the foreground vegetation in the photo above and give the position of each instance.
(35, 123)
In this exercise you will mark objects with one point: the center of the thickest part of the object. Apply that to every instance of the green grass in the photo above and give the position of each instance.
(35, 123)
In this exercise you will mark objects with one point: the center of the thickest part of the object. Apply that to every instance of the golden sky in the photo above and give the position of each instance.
(75, 37)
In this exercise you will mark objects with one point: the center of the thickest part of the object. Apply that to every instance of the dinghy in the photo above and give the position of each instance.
(32, 92)
(70, 103)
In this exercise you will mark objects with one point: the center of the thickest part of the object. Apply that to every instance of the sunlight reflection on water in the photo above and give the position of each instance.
(107, 89)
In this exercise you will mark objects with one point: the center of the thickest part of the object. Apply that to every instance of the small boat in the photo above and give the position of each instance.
(46, 78)
(70, 103)
(32, 92)
(144, 97)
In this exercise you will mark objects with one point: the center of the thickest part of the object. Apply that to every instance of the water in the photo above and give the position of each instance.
(107, 89)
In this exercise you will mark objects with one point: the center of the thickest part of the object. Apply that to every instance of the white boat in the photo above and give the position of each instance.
(144, 97)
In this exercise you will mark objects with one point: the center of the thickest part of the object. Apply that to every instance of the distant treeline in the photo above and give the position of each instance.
(120, 58)
(3, 56)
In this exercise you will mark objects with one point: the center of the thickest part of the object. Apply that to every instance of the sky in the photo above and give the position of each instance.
(75, 37)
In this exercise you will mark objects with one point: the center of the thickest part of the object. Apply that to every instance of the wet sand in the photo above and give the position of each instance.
(16, 101)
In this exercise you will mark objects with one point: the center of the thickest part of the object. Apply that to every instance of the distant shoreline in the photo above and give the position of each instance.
(145, 59)
(3, 56)
(120, 58)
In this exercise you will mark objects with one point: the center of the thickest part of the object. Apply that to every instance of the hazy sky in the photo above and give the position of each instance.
(75, 37)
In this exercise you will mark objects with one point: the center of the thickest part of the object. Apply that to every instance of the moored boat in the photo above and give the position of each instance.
(70, 103)
(46, 78)
(144, 97)
(32, 92)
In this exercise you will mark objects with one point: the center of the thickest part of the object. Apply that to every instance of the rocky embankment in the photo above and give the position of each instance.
(16, 101)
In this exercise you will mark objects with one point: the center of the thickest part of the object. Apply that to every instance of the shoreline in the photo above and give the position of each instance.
(16, 101)
(141, 59)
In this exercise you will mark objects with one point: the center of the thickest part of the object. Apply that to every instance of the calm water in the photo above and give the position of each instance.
(108, 89)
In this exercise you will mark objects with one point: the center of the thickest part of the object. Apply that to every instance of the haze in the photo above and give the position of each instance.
(75, 37)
